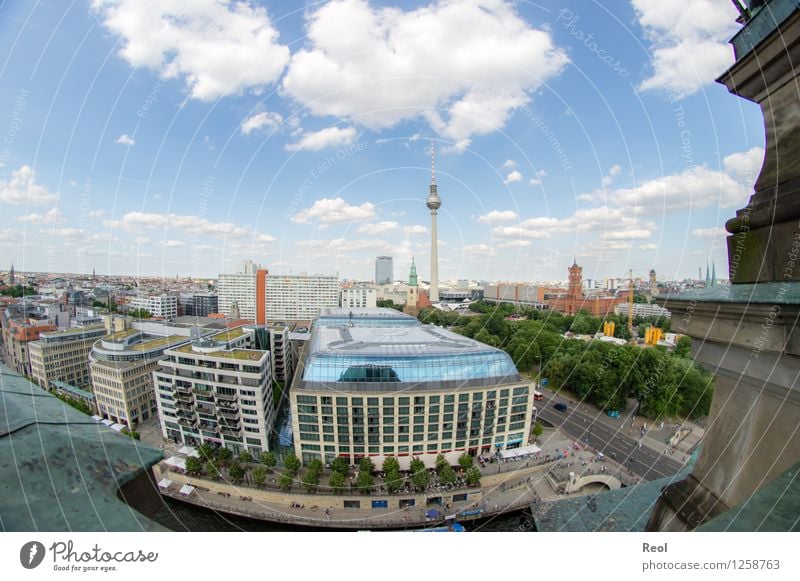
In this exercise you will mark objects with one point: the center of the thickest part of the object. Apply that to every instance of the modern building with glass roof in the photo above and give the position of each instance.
(376, 382)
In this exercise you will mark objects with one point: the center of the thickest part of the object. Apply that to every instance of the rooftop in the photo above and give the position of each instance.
(246, 354)
(364, 317)
(74, 331)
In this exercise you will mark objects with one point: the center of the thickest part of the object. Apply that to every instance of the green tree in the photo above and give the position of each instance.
(683, 347)
(340, 465)
(473, 476)
(259, 475)
(223, 455)
(421, 479)
(292, 464)
(315, 466)
(390, 464)
(537, 430)
(366, 465)
(417, 465)
(245, 457)
(268, 459)
(336, 482)
(465, 461)
(236, 472)
(140, 314)
(364, 481)
(211, 469)
(193, 465)
(441, 463)
(447, 475)
(311, 480)
(206, 451)
(285, 481)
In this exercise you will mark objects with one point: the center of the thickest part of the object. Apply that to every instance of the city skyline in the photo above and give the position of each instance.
(192, 169)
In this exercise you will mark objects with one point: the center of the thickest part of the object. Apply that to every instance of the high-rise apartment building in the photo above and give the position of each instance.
(295, 298)
(64, 356)
(240, 289)
(217, 389)
(384, 270)
(202, 304)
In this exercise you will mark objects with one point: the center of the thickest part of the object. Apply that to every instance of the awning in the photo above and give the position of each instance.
(106, 422)
(176, 462)
(520, 452)
(186, 490)
(97, 418)
(164, 483)
(189, 451)
(117, 427)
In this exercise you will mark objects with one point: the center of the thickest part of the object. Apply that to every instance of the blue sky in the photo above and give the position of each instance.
(164, 138)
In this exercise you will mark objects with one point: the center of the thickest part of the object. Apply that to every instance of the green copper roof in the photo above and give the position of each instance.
(59, 469)
(412, 277)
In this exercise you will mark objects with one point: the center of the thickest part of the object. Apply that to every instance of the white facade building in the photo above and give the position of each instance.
(164, 305)
(239, 288)
(299, 297)
(643, 310)
(359, 297)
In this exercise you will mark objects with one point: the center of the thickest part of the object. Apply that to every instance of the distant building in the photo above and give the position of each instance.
(642, 310)
(359, 297)
(164, 306)
(64, 356)
(521, 294)
(217, 389)
(18, 334)
(574, 301)
(202, 304)
(384, 270)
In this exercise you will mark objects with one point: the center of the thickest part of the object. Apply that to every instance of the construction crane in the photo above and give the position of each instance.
(630, 302)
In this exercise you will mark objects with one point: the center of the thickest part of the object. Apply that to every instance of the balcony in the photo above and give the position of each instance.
(184, 405)
(228, 431)
(228, 414)
(184, 397)
(187, 423)
(205, 409)
(220, 397)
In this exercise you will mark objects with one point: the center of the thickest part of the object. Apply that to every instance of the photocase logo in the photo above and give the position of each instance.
(31, 554)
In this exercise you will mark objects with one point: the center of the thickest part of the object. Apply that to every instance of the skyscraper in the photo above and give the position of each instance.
(384, 270)
(434, 203)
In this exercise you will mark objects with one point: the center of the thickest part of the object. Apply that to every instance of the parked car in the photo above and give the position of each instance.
(562, 407)
(612, 413)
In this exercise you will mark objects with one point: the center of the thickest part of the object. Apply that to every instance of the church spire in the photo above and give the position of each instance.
(412, 276)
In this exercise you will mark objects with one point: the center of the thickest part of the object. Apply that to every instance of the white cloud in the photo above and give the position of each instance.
(217, 47)
(514, 244)
(378, 227)
(649, 246)
(689, 42)
(62, 232)
(537, 179)
(97, 213)
(512, 177)
(170, 243)
(715, 232)
(52, 216)
(745, 166)
(328, 137)
(335, 210)
(191, 225)
(498, 216)
(126, 140)
(264, 120)
(634, 234)
(478, 250)
(338, 245)
(142, 240)
(509, 164)
(613, 171)
(415, 230)
(23, 189)
(264, 239)
(463, 66)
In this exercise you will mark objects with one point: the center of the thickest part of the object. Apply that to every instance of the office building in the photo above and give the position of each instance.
(64, 356)
(202, 304)
(384, 270)
(642, 310)
(217, 389)
(359, 297)
(521, 294)
(163, 306)
(376, 382)
(294, 298)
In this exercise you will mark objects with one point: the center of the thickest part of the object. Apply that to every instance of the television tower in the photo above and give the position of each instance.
(434, 203)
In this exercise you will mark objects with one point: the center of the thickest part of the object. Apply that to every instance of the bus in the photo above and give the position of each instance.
(537, 395)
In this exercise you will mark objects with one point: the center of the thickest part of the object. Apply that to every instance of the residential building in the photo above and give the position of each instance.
(121, 366)
(239, 290)
(384, 270)
(359, 297)
(376, 382)
(281, 355)
(202, 304)
(18, 333)
(163, 306)
(64, 356)
(521, 294)
(295, 298)
(217, 389)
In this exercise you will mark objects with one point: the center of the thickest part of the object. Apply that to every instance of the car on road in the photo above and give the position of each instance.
(612, 413)
(562, 407)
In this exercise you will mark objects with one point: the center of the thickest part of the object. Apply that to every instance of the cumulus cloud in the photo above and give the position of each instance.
(97, 213)
(649, 246)
(613, 171)
(265, 120)
(415, 230)
(23, 189)
(328, 137)
(335, 210)
(537, 179)
(512, 177)
(498, 217)
(478, 250)
(509, 164)
(514, 244)
(190, 225)
(52, 216)
(378, 227)
(715, 232)
(745, 166)
(337, 245)
(171, 243)
(126, 140)
(688, 42)
(463, 66)
(217, 47)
